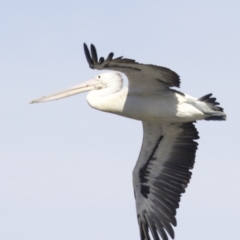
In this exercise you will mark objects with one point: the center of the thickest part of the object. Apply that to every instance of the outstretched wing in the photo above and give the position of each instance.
(161, 175)
(147, 75)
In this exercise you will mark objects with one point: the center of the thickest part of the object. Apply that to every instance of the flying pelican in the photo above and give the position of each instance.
(163, 168)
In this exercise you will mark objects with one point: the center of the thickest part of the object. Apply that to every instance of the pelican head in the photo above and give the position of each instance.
(111, 81)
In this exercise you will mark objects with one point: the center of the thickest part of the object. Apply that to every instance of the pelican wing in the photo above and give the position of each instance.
(161, 175)
(150, 75)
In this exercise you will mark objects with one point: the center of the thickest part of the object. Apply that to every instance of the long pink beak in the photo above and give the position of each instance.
(83, 87)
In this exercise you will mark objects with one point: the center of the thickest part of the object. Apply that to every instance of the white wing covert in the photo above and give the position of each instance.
(152, 77)
(161, 175)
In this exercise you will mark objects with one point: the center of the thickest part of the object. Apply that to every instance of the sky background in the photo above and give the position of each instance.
(66, 169)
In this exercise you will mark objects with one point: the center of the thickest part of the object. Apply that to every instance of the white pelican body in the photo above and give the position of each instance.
(164, 106)
(163, 169)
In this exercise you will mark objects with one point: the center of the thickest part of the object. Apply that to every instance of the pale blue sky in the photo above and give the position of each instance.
(65, 169)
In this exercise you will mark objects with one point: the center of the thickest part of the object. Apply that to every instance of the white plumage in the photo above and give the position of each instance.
(162, 171)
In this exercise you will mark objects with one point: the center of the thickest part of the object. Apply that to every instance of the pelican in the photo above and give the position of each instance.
(167, 155)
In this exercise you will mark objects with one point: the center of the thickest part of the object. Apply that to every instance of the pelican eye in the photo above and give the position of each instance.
(99, 76)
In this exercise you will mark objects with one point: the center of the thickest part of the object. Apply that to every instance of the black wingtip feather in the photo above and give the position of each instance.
(140, 228)
(94, 54)
(152, 227)
(101, 60)
(87, 54)
(110, 56)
